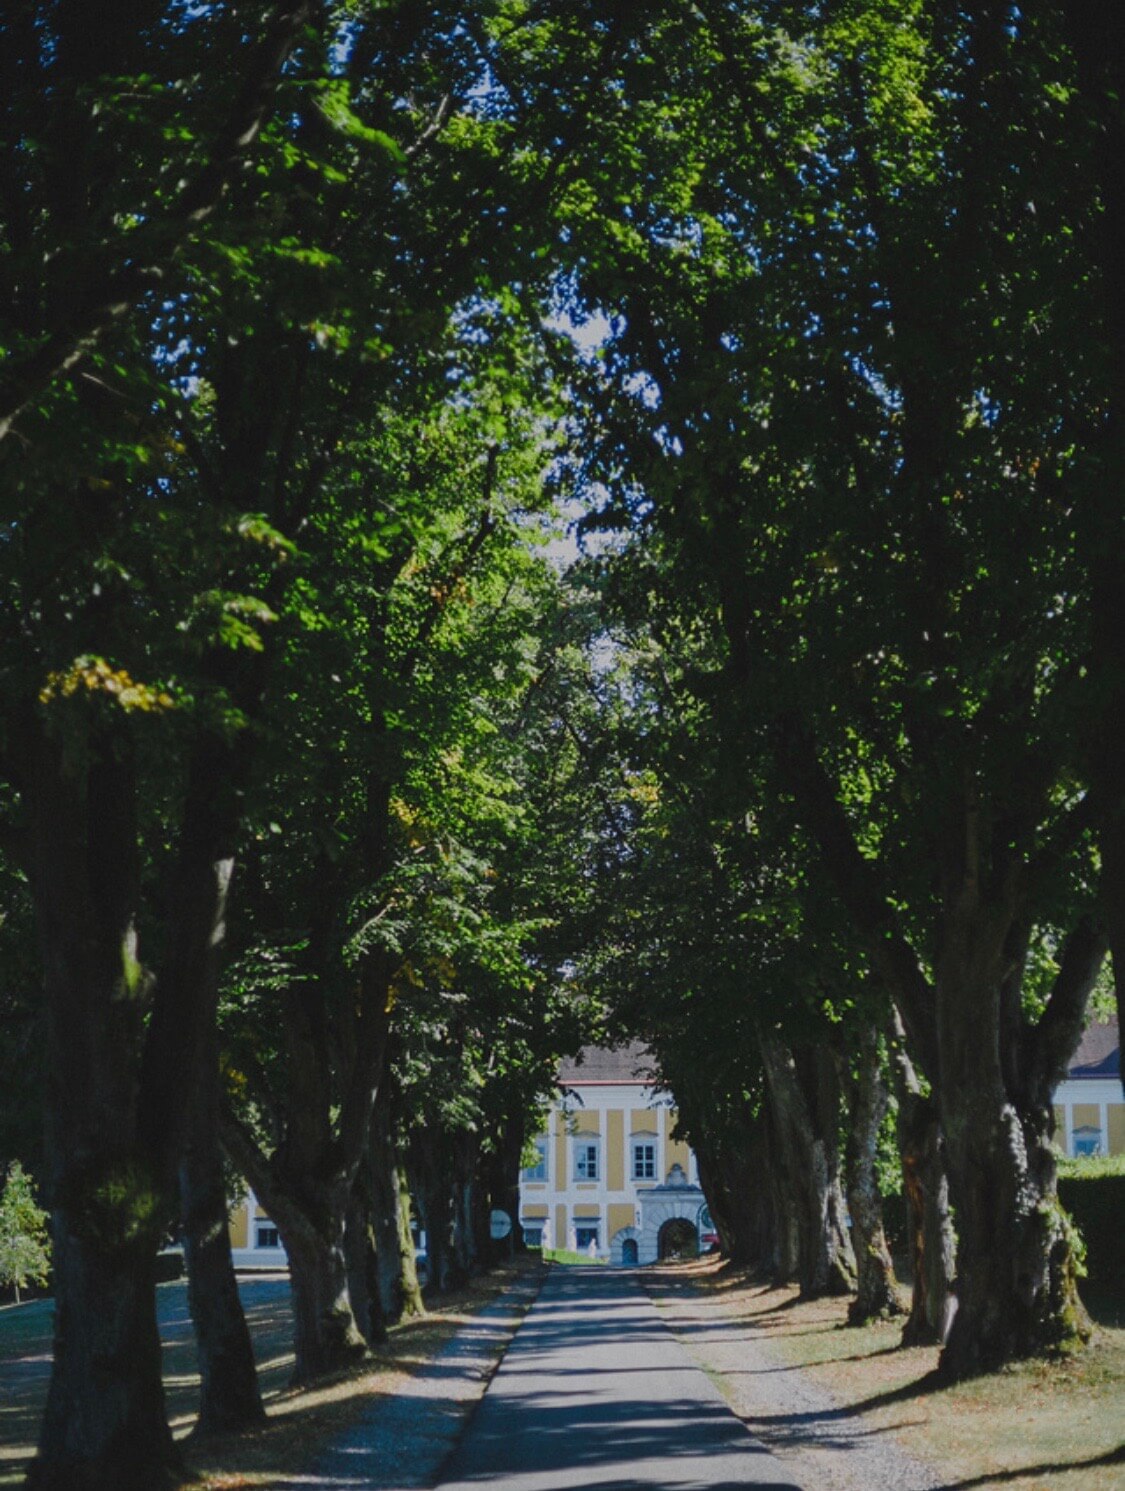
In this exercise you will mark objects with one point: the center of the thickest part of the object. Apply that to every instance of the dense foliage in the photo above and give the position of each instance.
(335, 805)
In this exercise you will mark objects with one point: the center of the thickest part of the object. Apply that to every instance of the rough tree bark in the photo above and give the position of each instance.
(306, 1186)
(470, 1233)
(335, 1058)
(992, 1070)
(932, 1302)
(230, 1398)
(119, 1089)
(362, 1260)
(501, 1186)
(429, 1165)
(409, 1287)
(1016, 1283)
(804, 1095)
(784, 1263)
(734, 1176)
(396, 1266)
(877, 1294)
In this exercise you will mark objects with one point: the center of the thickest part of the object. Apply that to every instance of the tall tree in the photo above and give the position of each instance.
(875, 498)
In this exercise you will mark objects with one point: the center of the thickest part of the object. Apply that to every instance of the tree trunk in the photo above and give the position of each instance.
(360, 1248)
(992, 1071)
(1016, 1278)
(310, 1217)
(805, 1098)
(1016, 1285)
(734, 1176)
(104, 1426)
(409, 1287)
(926, 1190)
(876, 1291)
(326, 1339)
(111, 1158)
(501, 1190)
(785, 1262)
(230, 1398)
(932, 1253)
(396, 1273)
(432, 1182)
(306, 1184)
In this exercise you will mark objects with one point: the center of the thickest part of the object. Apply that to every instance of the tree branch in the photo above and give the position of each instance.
(856, 882)
(121, 286)
(1055, 1039)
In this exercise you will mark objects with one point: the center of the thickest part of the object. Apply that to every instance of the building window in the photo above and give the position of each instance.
(266, 1237)
(585, 1237)
(1087, 1140)
(532, 1235)
(644, 1161)
(585, 1159)
(538, 1171)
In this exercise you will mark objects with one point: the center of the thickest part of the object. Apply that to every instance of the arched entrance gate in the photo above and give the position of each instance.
(669, 1218)
(677, 1238)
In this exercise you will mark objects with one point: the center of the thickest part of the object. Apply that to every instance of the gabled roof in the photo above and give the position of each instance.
(1099, 1052)
(632, 1063)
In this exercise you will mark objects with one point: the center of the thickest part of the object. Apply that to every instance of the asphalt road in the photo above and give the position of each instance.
(595, 1394)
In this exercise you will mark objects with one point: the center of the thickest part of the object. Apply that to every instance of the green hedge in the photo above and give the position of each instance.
(1095, 1197)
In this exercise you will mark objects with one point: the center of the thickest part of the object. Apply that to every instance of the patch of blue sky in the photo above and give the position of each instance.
(887, 394)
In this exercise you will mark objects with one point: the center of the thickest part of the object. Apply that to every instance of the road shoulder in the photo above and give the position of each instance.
(818, 1439)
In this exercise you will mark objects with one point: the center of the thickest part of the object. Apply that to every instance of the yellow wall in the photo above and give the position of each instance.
(619, 1214)
(535, 1210)
(1115, 1119)
(239, 1228)
(586, 1213)
(1085, 1115)
(560, 1226)
(676, 1151)
(615, 1149)
(642, 1121)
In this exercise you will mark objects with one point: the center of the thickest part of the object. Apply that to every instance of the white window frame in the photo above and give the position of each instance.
(269, 1227)
(587, 1152)
(644, 1159)
(582, 1225)
(532, 1172)
(1090, 1137)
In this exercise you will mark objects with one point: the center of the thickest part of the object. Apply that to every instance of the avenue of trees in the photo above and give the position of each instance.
(334, 806)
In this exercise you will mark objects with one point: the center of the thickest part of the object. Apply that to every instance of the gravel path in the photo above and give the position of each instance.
(822, 1444)
(404, 1440)
(596, 1393)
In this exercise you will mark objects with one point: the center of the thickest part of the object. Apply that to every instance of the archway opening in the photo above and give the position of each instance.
(629, 1255)
(677, 1239)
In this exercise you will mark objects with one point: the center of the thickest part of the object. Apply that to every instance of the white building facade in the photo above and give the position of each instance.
(1089, 1105)
(610, 1179)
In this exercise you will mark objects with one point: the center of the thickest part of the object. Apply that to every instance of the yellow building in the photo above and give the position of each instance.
(610, 1179)
(1089, 1108)
(254, 1239)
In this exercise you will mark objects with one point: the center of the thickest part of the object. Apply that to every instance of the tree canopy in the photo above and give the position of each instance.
(335, 805)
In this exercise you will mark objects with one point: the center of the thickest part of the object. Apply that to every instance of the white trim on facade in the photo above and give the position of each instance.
(618, 1211)
(1102, 1093)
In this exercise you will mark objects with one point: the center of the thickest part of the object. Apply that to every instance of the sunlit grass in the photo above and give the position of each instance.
(300, 1421)
(1035, 1426)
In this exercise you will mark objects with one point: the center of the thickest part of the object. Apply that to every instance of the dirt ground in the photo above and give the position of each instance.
(300, 1422)
(1037, 1426)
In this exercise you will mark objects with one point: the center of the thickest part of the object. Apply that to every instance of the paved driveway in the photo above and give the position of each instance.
(594, 1394)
